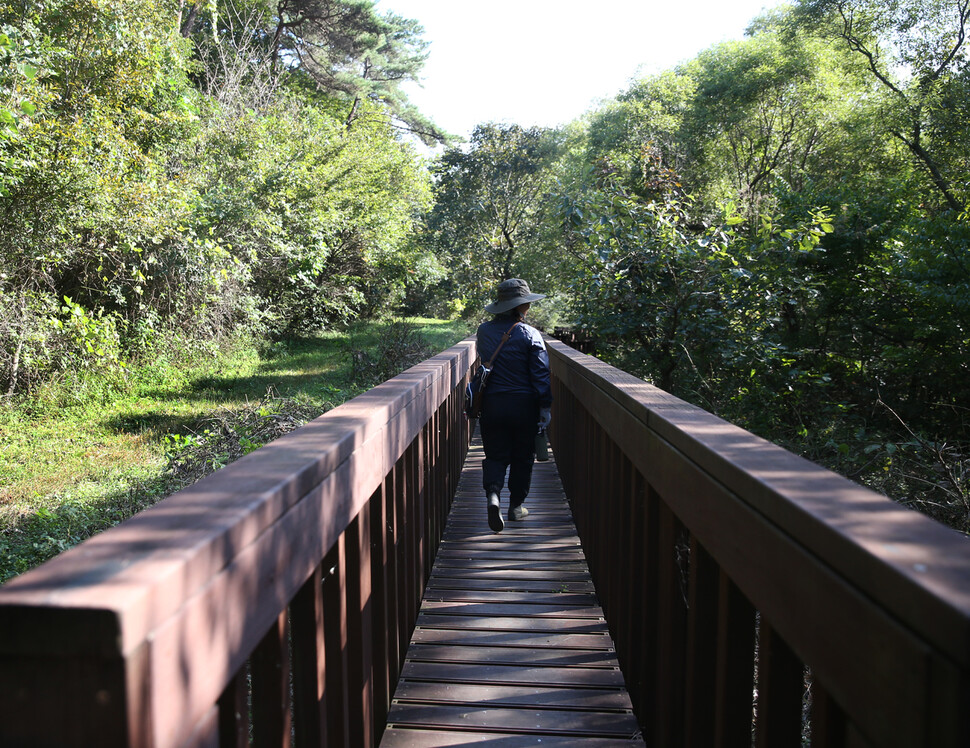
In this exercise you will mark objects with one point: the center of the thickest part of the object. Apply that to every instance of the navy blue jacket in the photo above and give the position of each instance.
(522, 366)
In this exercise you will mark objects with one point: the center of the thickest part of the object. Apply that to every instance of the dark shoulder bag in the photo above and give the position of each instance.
(475, 389)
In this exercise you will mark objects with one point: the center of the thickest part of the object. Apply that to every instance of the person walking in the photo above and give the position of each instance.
(517, 401)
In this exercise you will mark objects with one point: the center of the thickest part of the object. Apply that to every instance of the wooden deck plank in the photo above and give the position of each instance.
(552, 625)
(613, 700)
(534, 585)
(511, 647)
(511, 655)
(443, 594)
(512, 638)
(546, 721)
(517, 610)
(417, 738)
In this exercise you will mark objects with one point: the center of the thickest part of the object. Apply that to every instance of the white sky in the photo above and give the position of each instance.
(546, 62)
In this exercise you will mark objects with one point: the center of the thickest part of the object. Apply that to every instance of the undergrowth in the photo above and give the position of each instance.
(84, 454)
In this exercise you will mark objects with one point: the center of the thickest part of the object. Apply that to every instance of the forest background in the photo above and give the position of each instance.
(776, 230)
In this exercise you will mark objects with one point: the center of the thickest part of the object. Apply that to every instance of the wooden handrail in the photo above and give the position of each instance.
(714, 551)
(151, 634)
(276, 597)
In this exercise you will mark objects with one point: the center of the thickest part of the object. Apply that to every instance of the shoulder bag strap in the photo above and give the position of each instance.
(505, 337)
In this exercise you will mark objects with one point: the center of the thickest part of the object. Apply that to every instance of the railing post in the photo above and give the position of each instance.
(701, 647)
(309, 662)
(780, 688)
(270, 666)
(735, 667)
(335, 635)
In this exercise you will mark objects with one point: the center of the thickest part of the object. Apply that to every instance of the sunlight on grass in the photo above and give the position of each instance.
(75, 462)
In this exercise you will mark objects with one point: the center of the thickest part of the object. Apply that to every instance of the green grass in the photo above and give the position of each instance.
(82, 456)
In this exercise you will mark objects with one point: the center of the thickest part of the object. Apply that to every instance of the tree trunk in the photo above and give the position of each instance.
(353, 112)
(189, 24)
(938, 179)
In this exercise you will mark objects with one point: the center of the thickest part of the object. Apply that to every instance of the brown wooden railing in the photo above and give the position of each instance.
(273, 600)
(754, 597)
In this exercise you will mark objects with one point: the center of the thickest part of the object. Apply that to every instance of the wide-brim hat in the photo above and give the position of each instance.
(511, 293)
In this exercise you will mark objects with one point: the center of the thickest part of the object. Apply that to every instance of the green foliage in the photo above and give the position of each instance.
(229, 434)
(312, 211)
(769, 231)
(915, 53)
(191, 181)
(490, 203)
(690, 307)
(70, 467)
(399, 347)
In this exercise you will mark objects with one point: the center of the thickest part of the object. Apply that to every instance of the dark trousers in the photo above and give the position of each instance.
(509, 424)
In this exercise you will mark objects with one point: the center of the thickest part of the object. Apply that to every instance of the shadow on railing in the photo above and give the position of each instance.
(754, 597)
(273, 599)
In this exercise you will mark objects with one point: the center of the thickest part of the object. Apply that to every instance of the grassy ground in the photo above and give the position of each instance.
(77, 459)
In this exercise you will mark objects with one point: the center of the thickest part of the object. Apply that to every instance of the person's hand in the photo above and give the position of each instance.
(545, 417)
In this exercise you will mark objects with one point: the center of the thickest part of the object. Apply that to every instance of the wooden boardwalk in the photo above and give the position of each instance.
(511, 647)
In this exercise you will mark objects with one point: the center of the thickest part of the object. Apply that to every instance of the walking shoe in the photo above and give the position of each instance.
(495, 513)
(518, 512)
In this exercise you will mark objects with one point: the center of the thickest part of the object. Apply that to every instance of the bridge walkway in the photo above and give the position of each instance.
(511, 647)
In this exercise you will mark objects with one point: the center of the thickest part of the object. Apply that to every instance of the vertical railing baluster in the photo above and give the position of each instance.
(309, 662)
(642, 602)
(781, 684)
(401, 547)
(335, 636)
(828, 720)
(701, 648)
(613, 522)
(735, 667)
(392, 578)
(234, 712)
(671, 634)
(585, 484)
(433, 493)
(381, 626)
(648, 668)
(408, 498)
(360, 654)
(421, 526)
(415, 496)
(627, 540)
(270, 666)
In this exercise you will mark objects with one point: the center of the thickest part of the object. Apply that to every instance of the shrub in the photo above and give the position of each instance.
(399, 347)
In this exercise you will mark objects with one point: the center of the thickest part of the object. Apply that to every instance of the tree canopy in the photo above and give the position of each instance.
(776, 229)
(177, 168)
(489, 205)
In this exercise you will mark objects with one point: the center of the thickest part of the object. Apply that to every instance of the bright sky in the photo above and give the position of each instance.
(546, 62)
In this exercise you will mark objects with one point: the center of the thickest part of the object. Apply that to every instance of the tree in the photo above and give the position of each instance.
(392, 55)
(345, 48)
(764, 112)
(490, 203)
(916, 52)
(109, 84)
(738, 123)
(153, 184)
